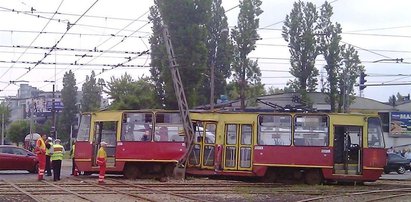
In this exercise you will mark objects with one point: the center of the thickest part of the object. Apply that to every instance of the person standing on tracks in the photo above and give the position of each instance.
(56, 159)
(74, 170)
(49, 145)
(101, 161)
(41, 155)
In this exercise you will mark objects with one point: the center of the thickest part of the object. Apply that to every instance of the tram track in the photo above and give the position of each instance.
(116, 189)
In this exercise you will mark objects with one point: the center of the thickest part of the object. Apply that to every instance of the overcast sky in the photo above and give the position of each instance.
(113, 32)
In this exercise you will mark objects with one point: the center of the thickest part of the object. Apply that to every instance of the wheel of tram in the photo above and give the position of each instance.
(313, 176)
(132, 172)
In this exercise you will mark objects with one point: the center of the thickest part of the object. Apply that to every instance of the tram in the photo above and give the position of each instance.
(314, 147)
(137, 142)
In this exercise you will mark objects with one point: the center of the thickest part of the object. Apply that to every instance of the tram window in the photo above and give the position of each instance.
(274, 130)
(210, 133)
(246, 134)
(169, 128)
(198, 131)
(311, 131)
(245, 157)
(375, 135)
(84, 129)
(136, 127)
(231, 134)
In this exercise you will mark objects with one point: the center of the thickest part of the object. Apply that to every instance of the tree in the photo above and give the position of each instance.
(129, 94)
(299, 31)
(219, 50)
(4, 115)
(329, 39)
(349, 71)
(91, 94)
(392, 100)
(18, 131)
(185, 20)
(245, 36)
(69, 99)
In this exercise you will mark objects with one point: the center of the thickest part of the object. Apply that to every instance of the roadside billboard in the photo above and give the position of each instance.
(400, 123)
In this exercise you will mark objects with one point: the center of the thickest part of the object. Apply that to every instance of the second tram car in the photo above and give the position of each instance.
(313, 147)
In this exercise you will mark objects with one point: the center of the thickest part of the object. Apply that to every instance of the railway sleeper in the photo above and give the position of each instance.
(294, 175)
(139, 170)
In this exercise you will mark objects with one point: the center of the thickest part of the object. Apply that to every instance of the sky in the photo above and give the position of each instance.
(106, 35)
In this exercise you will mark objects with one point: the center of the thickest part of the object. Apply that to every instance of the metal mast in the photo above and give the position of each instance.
(181, 97)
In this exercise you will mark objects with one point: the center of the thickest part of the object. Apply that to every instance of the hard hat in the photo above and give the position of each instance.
(57, 140)
(50, 139)
(103, 143)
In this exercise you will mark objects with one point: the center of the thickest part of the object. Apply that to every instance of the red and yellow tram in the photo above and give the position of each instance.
(314, 147)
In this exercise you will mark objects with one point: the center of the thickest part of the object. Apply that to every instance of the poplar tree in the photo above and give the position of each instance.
(299, 31)
(220, 50)
(245, 36)
(69, 99)
(91, 94)
(186, 21)
(329, 45)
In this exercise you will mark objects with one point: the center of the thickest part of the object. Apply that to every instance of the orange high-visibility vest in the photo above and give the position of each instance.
(101, 156)
(40, 146)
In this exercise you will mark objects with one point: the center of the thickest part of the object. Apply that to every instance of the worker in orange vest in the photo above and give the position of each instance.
(41, 155)
(101, 161)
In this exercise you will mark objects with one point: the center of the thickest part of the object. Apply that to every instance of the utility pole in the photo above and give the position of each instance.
(2, 128)
(181, 98)
(53, 115)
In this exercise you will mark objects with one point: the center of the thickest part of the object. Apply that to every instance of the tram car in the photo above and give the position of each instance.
(314, 147)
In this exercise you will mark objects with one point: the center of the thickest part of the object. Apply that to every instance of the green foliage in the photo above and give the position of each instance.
(185, 20)
(68, 97)
(349, 71)
(252, 91)
(129, 94)
(245, 36)
(220, 50)
(44, 128)
(330, 37)
(91, 94)
(273, 90)
(299, 31)
(18, 130)
(4, 115)
(392, 100)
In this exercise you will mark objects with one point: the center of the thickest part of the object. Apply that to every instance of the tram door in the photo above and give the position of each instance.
(238, 147)
(348, 150)
(105, 131)
(204, 145)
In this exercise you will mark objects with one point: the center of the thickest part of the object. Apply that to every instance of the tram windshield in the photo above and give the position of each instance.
(84, 128)
(375, 135)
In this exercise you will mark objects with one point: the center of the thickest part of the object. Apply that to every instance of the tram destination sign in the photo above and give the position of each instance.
(400, 123)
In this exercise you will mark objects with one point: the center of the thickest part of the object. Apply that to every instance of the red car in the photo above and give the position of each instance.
(16, 158)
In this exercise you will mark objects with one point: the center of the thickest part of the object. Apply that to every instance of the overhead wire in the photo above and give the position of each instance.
(76, 34)
(55, 45)
(73, 14)
(58, 41)
(125, 38)
(61, 2)
(64, 21)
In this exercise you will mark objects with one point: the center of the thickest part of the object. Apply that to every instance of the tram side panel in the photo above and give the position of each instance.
(150, 151)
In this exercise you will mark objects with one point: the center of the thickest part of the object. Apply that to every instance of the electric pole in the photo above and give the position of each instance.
(53, 115)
